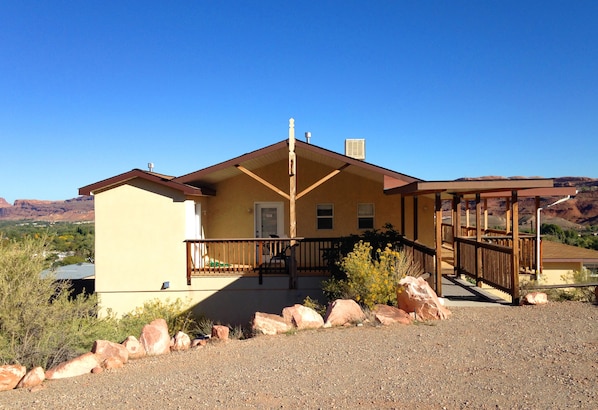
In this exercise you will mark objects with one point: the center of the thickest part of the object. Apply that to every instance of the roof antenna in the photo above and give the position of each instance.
(150, 166)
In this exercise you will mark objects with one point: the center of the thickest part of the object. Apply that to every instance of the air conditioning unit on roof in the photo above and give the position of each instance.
(355, 148)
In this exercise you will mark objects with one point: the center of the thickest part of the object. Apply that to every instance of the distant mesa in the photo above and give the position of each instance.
(71, 210)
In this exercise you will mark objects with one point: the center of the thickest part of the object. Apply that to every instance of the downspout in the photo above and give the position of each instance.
(538, 239)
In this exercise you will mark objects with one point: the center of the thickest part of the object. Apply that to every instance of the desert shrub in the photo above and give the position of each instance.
(177, 314)
(315, 305)
(40, 323)
(582, 294)
(370, 280)
(340, 248)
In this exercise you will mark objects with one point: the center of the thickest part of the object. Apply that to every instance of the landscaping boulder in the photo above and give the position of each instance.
(134, 347)
(106, 349)
(33, 378)
(303, 317)
(180, 341)
(220, 332)
(342, 312)
(535, 298)
(269, 324)
(389, 315)
(416, 295)
(112, 363)
(155, 338)
(11, 375)
(75, 367)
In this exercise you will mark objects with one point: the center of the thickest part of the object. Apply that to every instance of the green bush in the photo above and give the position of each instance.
(343, 246)
(370, 280)
(40, 323)
(176, 313)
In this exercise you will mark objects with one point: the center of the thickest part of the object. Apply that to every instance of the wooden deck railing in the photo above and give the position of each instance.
(223, 257)
(527, 243)
(494, 266)
(423, 257)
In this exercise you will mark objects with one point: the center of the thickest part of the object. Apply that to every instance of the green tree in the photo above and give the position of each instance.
(40, 324)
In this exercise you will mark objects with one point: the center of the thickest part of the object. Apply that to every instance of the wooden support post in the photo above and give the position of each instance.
(508, 216)
(438, 219)
(478, 235)
(515, 256)
(466, 213)
(456, 230)
(292, 200)
(485, 214)
(415, 218)
(402, 215)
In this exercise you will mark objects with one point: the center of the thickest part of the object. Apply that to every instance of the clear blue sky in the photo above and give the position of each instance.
(439, 89)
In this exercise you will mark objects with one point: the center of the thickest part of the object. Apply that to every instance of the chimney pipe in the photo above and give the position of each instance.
(308, 137)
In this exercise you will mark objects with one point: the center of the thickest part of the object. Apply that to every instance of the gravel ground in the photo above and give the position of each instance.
(531, 357)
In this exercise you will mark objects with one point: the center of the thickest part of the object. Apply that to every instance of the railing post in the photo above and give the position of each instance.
(515, 256)
(438, 270)
(478, 233)
(189, 262)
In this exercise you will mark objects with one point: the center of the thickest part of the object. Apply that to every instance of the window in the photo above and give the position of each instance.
(365, 216)
(324, 216)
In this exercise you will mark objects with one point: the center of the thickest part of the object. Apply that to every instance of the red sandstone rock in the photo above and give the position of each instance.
(342, 312)
(105, 349)
(535, 298)
(112, 363)
(389, 315)
(180, 341)
(34, 377)
(220, 332)
(416, 295)
(303, 317)
(155, 338)
(97, 370)
(75, 367)
(134, 347)
(199, 342)
(269, 324)
(11, 375)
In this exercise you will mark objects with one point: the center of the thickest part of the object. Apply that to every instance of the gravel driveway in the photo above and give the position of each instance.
(530, 357)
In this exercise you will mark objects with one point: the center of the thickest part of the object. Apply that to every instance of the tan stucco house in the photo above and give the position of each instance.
(251, 233)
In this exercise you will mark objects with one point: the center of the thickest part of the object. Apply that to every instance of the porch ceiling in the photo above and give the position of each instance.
(279, 152)
(495, 188)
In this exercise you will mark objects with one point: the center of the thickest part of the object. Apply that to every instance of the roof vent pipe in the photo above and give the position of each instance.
(150, 166)
(308, 137)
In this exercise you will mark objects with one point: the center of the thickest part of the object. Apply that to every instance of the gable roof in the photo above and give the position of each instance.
(279, 152)
(559, 252)
(164, 180)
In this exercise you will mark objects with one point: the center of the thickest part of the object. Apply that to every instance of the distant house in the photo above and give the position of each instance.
(81, 276)
(559, 260)
(252, 233)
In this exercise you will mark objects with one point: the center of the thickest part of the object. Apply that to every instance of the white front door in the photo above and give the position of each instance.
(269, 219)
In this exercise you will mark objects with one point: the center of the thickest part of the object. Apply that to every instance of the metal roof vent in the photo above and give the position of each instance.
(150, 166)
(355, 148)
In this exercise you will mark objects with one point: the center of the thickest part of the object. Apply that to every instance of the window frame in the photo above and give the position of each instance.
(366, 217)
(324, 217)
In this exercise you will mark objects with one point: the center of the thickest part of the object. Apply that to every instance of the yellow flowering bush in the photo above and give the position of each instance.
(374, 280)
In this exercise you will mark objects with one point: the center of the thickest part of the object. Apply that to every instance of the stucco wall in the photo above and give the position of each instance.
(552, 272)
(140, 230)
(230, 212)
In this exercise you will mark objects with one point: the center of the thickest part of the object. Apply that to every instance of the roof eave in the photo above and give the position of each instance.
(125, 177)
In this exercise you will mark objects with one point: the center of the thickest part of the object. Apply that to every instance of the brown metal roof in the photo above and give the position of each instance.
(559, 252)
(486, 188)
(279, 152)
(160, 179)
